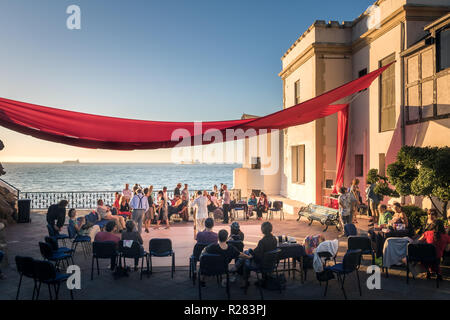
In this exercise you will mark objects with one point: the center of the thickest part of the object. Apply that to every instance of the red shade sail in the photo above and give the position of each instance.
(94, 131)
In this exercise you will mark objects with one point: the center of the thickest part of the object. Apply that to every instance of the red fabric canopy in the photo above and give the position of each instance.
(341, 148)
(93, 131)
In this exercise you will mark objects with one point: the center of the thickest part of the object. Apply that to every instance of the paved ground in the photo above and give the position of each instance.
(23, 239)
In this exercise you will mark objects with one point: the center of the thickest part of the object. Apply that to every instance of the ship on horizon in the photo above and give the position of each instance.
(71, 162)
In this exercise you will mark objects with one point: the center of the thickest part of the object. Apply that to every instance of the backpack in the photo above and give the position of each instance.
(120, 272)
(272, 282)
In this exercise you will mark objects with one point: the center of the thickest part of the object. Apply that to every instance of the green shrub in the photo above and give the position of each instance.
(417, 217)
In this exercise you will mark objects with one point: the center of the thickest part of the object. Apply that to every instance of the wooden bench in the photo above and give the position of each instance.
(325, 215)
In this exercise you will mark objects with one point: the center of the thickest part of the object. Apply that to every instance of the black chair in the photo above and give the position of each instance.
(276, 206)
(213, 265)
(161, 248)
(103, 250)
(58, 236)
(56, 257)
(424, 253)
(363, 243)
(194, 259)
(351, 262)
(46, 273)
(324, 255)
(267, 267)
(25, 267)
(135, 252)
(55, 246)
(85, 241)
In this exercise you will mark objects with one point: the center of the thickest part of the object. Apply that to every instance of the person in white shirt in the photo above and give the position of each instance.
(201, 202)
(139, 203)
(127, 193)
(226, 203)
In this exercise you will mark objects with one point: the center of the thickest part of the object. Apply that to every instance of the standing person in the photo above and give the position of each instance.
(185, 191)
(127, 193)
(215, 190)
(201, 202)
(139, 203)
(56, 215)
(374, 201)
(345, 206)
(226, 203)
(262, 206)
(356, 199)
(221, 191)
(177, 191)
(162, 209)
(150, 214)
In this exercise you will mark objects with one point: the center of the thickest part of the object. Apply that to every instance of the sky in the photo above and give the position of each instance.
(154, 60)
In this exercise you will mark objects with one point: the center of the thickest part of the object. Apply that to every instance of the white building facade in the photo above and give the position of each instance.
(409, 104)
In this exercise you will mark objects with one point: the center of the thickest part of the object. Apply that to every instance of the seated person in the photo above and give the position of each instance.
(82, 227)
(262, 205)
(130, 233)
(440, 240)
(222, 248)
(105, 213)
(252, 203)
(124, 208)
(180, 207)
(432, 217)
(116, 204)
(266, 244)
(235, 232)
(385, 215)
(207, 236)
(399, 216)
(108, 235)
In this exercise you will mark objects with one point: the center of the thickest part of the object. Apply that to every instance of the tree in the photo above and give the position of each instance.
(422, 171)
(382, 187)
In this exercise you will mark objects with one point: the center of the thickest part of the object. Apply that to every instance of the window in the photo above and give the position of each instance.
(362, 73)
(359, 165)
(298, 164)
(256, 163)
(443, 49)
(387, 95)
(382, 164)
(297, 91)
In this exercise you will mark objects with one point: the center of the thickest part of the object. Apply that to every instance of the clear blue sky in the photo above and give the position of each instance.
(158, 60)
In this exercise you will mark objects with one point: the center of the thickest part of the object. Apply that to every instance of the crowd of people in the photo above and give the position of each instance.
(145, 209)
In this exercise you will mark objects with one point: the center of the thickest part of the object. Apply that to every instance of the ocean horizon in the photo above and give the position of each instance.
(112, 176)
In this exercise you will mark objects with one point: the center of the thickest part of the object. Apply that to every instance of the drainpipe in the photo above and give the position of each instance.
(402, 80)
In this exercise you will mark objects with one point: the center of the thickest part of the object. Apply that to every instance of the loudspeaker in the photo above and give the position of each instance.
(24, 211)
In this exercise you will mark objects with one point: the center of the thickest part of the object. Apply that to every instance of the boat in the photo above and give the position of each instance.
(71, 162)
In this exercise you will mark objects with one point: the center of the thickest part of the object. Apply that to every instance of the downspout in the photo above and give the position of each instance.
(402, 81)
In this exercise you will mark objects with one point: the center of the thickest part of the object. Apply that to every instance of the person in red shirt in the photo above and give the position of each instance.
(437, 237)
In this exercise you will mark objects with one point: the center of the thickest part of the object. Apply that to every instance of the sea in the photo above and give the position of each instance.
(40, 177)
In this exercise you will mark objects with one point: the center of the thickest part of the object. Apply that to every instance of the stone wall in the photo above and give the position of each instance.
(8, 200)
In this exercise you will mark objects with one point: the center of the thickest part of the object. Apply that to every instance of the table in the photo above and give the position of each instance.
(293, 251)
(379, 237)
